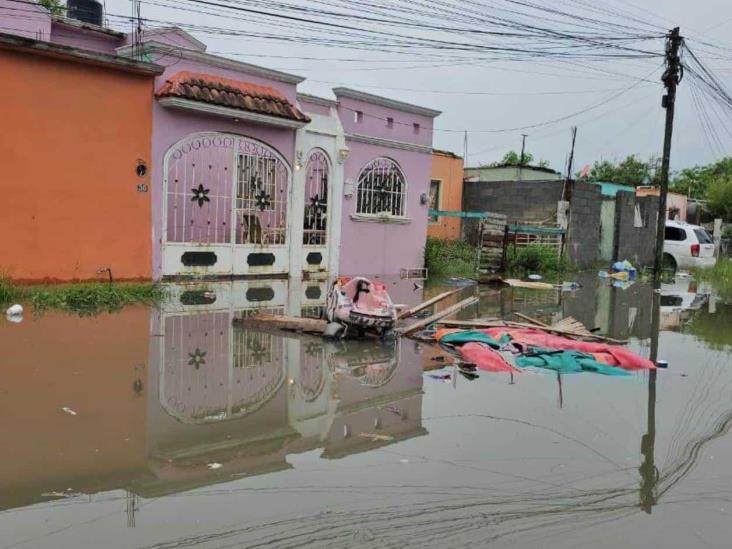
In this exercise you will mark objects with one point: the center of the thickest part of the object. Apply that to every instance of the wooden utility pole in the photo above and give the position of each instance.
(521, 160)
(671, 78)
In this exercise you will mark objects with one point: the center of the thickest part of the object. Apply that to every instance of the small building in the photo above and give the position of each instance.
(677, 204)
(76, 178)
(511, 172)
(446, 193)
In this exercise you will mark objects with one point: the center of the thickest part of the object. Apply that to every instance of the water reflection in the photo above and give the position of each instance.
(180, 398)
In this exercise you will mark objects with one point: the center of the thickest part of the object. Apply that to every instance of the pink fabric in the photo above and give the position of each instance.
(614, 355)
(485, 358)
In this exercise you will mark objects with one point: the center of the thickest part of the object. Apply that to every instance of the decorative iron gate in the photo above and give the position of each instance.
(227, 195)
(315, 231)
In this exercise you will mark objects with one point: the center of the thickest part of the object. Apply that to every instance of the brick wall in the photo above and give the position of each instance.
(636, 244)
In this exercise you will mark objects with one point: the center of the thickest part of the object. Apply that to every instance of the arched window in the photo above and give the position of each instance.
(381, 189)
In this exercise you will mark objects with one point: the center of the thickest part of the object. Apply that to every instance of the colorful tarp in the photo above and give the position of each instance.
(535, 348)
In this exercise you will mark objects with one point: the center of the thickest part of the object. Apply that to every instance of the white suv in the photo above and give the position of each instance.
(687, 246)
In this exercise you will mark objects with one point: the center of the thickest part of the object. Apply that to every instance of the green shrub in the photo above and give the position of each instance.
(533, 258)
(450, 258)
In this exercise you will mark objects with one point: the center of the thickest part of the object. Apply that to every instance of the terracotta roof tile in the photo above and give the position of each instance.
(227, 92)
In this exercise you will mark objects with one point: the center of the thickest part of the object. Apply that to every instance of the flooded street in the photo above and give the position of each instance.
(172, 427)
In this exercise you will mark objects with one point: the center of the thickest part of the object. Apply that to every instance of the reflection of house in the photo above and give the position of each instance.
(446, 193)
(246, 398)
(246, 176)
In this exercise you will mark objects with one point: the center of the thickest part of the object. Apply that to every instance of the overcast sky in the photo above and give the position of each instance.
(527, 92)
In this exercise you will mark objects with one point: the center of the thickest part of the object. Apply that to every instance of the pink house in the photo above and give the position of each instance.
(250, 178)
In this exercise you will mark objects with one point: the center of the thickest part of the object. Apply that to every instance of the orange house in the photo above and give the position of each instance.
(76, 149)
(446, 193)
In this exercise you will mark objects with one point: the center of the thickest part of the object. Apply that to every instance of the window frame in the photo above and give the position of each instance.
(402, 194)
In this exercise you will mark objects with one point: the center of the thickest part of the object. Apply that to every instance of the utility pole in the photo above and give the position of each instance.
(521, 160)
(671, 78)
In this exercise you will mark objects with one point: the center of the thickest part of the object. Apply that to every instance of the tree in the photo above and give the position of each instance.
(631, 171)
(719, 198)
(695, 181)
(513, 158)
(54, 6)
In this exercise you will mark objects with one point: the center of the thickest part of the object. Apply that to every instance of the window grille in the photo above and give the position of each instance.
(381, 189)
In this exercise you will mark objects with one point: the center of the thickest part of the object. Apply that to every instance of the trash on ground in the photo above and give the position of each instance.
(570, 286)
(14, 310)
(69, 411)
(441, 377)
(534, 277)
(214, 466)
(531, 285)
(662, 364)
(376, 437)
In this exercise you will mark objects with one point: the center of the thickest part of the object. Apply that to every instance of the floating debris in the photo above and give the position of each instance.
(214, 466)
(69, 411)
(376, 437)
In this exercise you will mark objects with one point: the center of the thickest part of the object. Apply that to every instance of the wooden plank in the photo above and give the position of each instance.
(414, 310)
(439, 315)
(532, 320)
(498, 323)
(283, 322)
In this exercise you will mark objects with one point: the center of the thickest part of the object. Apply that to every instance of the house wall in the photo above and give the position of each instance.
(384, 247)
(636, 244)
(172, 125)
(510, 173)
(25, 19)
(70, 187)
(673, 200)
(448, 170)
(67, 35)
(583, 233)
(369, 248)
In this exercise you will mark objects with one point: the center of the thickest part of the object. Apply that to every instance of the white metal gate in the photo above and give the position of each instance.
(225, 207)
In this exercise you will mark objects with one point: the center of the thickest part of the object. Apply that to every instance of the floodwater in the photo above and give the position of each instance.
(173, 427)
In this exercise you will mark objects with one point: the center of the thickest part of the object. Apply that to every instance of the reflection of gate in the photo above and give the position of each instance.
(225, 207)
(316, 225)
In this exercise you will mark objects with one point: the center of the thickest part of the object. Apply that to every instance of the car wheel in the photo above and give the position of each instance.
(669, 263)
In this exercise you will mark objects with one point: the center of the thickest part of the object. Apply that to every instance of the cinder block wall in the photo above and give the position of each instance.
(517, 200)
(583, 235)
(636, 244)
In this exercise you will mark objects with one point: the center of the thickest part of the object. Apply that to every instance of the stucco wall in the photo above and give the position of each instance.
(510, 173)
(70, 188)
(370, 248)
(25, 19)
(67, 35)
(449, 171)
